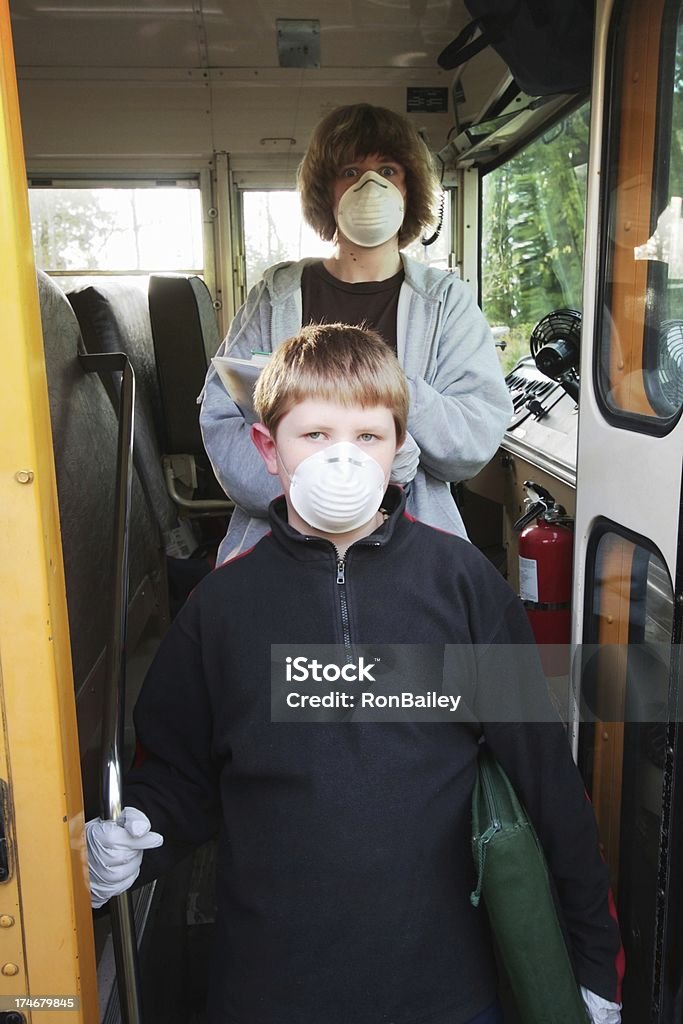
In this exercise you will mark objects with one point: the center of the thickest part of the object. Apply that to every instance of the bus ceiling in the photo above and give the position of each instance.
(160, 89)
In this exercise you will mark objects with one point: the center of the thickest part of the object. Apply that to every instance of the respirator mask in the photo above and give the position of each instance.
(337, 489)
(371, 211)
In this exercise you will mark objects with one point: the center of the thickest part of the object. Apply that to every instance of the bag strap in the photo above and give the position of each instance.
(503, 808)
(461, 49)
(493, 28)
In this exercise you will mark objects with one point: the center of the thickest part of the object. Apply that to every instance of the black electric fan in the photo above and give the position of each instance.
(555, 345)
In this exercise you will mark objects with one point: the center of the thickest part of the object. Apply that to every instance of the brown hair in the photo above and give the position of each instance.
(350, 133)
(335, 362)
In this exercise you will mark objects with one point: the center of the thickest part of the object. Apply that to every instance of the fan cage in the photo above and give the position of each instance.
(560, 325)
(670, 361)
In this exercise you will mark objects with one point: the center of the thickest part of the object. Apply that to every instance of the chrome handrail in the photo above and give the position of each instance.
(111, 796)
(216, 506)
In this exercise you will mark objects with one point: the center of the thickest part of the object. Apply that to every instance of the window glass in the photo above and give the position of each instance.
(533, 212)
(78, 231)
(437, 254)
(274, 230)
(640, 365)
(626, 688)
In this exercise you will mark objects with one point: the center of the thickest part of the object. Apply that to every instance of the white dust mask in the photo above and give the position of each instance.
(338, 488)
(371, 211)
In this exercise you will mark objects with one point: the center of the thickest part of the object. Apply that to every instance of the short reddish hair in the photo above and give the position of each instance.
(347, 365)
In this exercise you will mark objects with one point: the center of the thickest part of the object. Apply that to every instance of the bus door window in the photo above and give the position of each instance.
(640, 364)
(625, 692)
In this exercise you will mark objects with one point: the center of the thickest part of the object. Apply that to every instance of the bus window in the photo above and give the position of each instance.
(629, 626)
(533, 211)
(81, 231)
(640, 361)
(274, 230)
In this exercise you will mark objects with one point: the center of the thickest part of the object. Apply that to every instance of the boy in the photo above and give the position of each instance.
(344, 864)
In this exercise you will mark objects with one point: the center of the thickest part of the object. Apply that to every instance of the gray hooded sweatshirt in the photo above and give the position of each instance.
(459, 403)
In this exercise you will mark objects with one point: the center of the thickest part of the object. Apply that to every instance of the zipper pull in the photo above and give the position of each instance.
(340, 571)
(488, 835)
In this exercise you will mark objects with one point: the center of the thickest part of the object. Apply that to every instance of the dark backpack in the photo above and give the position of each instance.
(546, 44)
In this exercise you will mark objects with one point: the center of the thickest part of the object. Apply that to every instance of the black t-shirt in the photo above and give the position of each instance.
(326, 300)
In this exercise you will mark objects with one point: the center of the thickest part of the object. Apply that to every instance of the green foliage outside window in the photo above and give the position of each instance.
(115, 229)
(532, 232)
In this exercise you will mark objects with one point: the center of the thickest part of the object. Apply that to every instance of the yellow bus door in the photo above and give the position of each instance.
(47, 960)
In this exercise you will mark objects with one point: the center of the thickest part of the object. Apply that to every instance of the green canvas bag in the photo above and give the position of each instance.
(512, 876)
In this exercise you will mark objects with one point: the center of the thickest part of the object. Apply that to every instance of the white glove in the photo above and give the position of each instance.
(406, 461)
(600, 1010)
(115, 853)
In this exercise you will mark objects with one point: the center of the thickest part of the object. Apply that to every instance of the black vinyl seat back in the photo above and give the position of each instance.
(114, 317)
(185, 336)
(84, 433)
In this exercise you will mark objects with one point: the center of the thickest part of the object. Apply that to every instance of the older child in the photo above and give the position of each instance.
(344, 863)
(367, 182)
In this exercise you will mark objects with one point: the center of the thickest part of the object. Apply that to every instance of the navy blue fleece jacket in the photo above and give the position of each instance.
(344, 861)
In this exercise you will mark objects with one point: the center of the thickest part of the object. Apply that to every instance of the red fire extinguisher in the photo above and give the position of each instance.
(545, 574)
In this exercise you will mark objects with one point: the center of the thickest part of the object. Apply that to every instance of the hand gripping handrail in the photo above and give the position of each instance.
(111, 797)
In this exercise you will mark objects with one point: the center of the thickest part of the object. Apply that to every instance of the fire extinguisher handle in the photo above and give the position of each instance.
(534, 510)
(538, 493)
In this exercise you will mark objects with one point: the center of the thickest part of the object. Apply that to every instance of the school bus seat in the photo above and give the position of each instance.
(113, 317)
(84, 431)
(185, 334)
